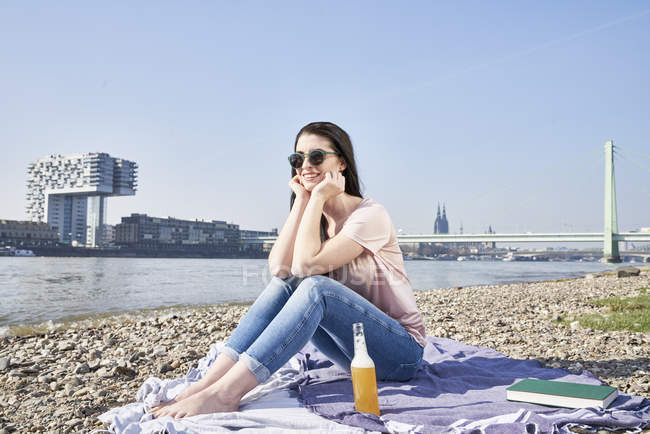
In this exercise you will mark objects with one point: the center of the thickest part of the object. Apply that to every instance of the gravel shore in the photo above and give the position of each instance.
(61, 381)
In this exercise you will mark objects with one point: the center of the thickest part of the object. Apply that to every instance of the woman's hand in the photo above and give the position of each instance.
(299, 189)
(332, 185)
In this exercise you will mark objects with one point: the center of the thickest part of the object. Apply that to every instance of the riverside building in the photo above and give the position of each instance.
(254, 234)
(69, 193)
(18, 233)
(144, 232)
(257, 249)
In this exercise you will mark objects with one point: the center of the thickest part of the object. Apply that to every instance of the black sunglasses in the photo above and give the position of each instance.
(315, 158)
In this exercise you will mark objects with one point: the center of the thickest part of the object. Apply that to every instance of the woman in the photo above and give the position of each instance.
(330, 229)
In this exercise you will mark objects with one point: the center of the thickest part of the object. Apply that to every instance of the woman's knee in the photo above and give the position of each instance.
(313, 286)
(276, 288)
(293, 281)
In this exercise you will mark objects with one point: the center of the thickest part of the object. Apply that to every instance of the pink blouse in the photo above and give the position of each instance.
(378, 274)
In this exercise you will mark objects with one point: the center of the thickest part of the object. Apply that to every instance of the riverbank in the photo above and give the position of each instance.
(61, 381)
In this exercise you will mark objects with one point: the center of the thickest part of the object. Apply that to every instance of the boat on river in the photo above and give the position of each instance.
(23, 252)
(10, 251)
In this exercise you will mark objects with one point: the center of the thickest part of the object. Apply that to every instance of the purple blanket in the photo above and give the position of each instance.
(460, 388)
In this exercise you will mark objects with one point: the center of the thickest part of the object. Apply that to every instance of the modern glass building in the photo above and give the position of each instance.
(69, 193)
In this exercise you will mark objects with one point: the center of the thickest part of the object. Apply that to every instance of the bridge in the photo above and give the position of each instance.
(610, 237)
(582, 254)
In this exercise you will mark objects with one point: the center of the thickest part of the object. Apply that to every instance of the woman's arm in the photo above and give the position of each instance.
(281, 255)
(310, 257)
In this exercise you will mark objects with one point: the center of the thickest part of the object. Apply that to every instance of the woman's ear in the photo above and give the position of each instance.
(342, 165)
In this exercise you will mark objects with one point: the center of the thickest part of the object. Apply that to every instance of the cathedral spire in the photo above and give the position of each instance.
(444, 224)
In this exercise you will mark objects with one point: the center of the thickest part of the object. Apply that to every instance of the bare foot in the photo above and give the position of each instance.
(191, 390)
(163, 405)
(218, 369)
(200, 403)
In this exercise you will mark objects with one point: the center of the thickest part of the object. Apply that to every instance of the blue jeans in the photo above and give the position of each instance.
(292, 311)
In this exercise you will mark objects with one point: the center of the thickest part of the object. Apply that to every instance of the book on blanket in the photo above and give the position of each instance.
(561, 393)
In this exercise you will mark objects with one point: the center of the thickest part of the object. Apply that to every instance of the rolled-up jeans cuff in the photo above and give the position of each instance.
(259, 370)
(230, 353)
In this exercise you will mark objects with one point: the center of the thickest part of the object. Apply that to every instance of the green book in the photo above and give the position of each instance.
(561, 393)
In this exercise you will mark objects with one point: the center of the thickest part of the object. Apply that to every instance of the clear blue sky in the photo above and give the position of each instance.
(485, 106)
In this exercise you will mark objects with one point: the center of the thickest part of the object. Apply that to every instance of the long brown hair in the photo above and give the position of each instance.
(341, 142)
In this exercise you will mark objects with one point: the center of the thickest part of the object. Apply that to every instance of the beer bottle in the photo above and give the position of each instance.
(364, 381)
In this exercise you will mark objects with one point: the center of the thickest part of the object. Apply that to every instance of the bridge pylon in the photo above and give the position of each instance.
(610, 245)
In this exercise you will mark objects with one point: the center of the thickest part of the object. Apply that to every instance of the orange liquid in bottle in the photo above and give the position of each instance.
(364, 384)
(364, 381)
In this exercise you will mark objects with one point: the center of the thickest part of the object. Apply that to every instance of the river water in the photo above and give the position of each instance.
(42, 293)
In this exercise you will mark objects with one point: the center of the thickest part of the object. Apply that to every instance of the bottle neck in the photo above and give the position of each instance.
(360, 344)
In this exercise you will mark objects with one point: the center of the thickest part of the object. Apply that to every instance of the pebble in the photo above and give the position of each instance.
(82, 391)
(65, 346)
(45, 379)
(94, 355)
(73, 422)
(123, 370)
(74, 381)
(62, 381)
(82, 368)
(68, 389)
(104, 372)
(108, 363)
(135, 356)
